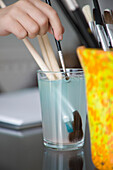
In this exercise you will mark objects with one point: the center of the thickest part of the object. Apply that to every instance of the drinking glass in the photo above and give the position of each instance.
(63, 107)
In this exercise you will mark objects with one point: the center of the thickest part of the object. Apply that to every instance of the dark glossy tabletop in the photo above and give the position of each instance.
(24, 150)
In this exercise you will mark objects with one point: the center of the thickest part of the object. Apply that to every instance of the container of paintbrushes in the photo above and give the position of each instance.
(98, 70)
(63, 106)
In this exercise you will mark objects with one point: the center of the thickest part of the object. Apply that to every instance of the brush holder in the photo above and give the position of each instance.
(98, 68)
(63, 106)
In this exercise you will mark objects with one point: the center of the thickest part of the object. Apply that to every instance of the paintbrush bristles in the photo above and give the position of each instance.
(108, 17)
(87, 12)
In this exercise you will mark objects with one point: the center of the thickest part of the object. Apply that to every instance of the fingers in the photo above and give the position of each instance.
(10, 25)
(19, 32)
(32, 28)
(29, 18)
(53, 17)
(36, 17)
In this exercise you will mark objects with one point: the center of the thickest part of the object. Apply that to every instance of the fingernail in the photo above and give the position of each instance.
(60, 37)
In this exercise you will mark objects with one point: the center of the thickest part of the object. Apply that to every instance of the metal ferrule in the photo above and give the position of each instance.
(93, 28)
(103, 37)
(109, 28)
(62, 60)
(72, 4)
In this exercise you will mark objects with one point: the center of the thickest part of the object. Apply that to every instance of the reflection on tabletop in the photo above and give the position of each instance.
(24, 150)
(21, 150)
(71, 160)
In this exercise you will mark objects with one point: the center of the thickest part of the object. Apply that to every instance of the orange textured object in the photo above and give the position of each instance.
(98, 69)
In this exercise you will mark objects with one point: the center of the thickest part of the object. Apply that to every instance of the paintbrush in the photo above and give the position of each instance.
(48, 55)
(87, 12)
(101, 31)
(82, 24)
(101, 19)
(96, 5)
(97, 35)
(44, 52)
(72, 22)
(60, 53)
(77, 133)
(100, 27)
(109, 24)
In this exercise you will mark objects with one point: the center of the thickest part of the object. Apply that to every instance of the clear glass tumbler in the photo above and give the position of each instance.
(63, 107)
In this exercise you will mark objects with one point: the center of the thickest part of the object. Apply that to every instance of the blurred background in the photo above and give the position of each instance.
(18, 68)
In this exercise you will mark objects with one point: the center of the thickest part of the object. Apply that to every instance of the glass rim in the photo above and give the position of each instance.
(80, 70)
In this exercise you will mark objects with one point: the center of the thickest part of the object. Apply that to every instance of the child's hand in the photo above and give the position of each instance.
(29, 18)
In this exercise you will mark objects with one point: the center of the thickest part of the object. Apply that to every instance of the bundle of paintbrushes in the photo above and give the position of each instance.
(101, 24)
(78, 21)
(94, 31)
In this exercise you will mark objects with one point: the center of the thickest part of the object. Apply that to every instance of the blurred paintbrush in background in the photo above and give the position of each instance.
(100, 26)
(80, 20)
(68, 15)
(109, 24)
(88, 14)
(98, 38)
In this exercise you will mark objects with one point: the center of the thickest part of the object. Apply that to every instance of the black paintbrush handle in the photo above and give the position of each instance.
(84, 28)
(79, 22)
(96, 4)
(48, 2)
(97, 7)
(57, 42)
(58, 45)
(72, 22)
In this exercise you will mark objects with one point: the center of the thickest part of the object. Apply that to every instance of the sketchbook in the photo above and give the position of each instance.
(20, 109)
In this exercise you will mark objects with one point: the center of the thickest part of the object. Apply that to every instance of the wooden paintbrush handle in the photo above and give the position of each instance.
(37, 58)
(44, 52)
(51, 56)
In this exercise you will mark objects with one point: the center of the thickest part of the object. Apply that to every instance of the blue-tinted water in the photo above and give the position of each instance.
(59, 99)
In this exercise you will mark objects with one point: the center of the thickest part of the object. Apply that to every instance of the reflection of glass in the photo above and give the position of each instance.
(63, 105)
(98, 67)
(71, 160)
